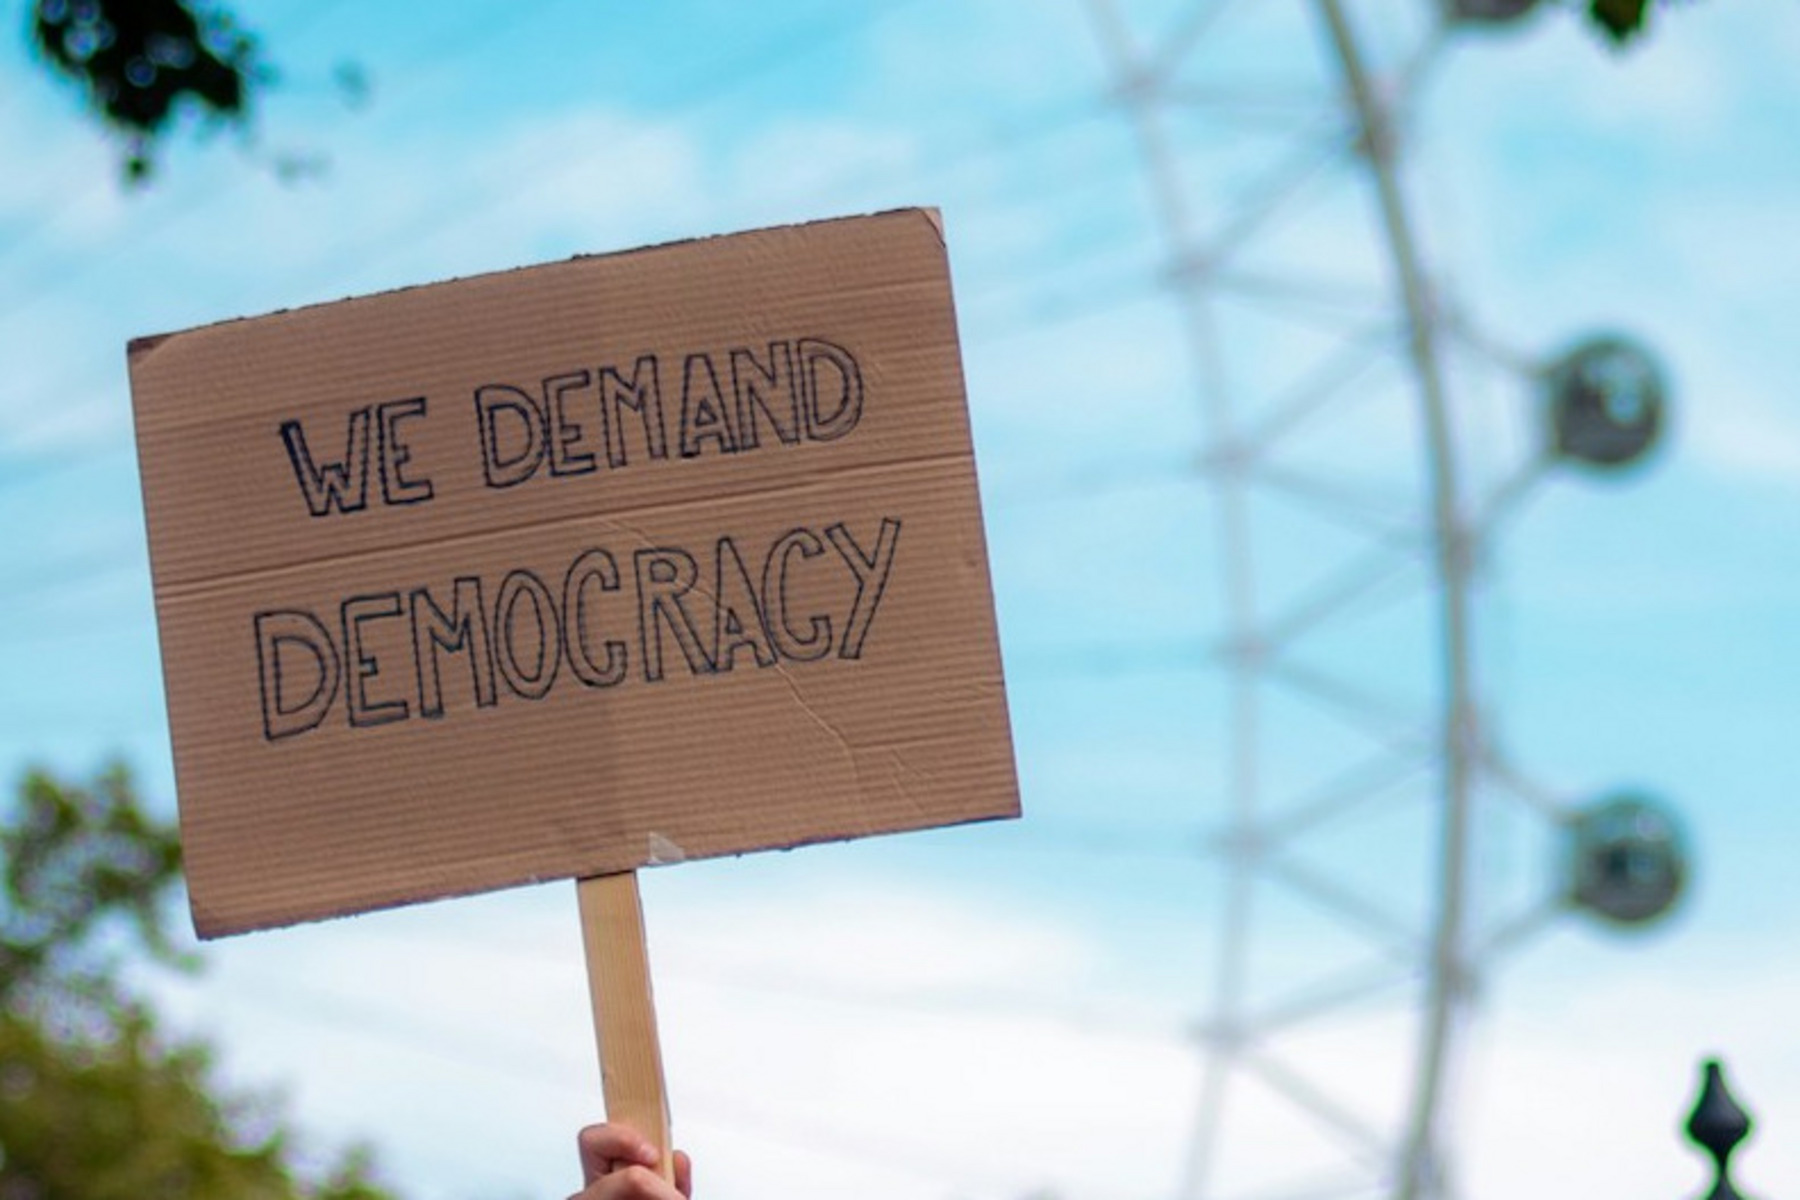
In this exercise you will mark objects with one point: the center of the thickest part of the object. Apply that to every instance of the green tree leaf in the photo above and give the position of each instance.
(97, 1102)
(141, 63)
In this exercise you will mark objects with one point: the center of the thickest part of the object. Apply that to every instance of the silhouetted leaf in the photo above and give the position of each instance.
(1620, 20)
(142, 63)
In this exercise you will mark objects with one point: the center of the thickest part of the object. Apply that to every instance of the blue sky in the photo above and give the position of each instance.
(979, 1013)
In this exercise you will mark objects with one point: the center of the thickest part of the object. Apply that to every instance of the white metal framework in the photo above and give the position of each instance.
(1260, 120)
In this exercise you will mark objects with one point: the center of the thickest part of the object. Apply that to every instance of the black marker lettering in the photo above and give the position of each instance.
(704, 416)
(643, 395)
(767, 390)
(285, 713)
(363, 665)
(737, 614)
(597, 567)
(396, 455)
(664, 576)
(871, 573)
(814, 644)
(833, 386)
(511, 455)
(564, 433)
(533, 684)
(463, 630)
(341, 485)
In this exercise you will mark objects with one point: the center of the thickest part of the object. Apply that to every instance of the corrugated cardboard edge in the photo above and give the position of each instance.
(147, 344)
(208, 926)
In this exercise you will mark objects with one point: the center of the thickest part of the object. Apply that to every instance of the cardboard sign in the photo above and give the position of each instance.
(568, 570)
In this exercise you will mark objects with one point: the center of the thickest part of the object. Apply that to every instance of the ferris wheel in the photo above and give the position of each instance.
(1365, 446)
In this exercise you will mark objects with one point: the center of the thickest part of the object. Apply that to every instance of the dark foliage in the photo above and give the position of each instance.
(142, 62)
(1623, 21)
(1620, 20)
(96, 1101)
(76, 861)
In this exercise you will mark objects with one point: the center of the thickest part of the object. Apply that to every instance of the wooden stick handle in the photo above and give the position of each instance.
(631, 1072)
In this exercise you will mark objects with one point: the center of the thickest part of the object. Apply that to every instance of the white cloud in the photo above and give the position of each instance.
(817, 1020)
(821, 1040)
(1745, 431)
(1583, 1092)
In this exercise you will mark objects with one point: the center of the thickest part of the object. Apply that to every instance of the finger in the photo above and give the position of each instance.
(684, 1174)
(636, 1182)
(606, 1148)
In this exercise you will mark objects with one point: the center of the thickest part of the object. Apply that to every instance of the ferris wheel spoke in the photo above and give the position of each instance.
(1378, 717)
(1416, 71)
(1464, 332)
(1347, 904)
(1136, 91)
(1352, 787)
(1181, 41)
(1333, 300)
(1225, 1031)
(1345, 791)
(1209, 1116)
(1499, 767)
(1303, 1094)
(1523, 926)
(1116, 41)
(1343, 502)
(1265, 200)
(1357, 581)
(1277, 108)
(1512, 492)
(1362, 349)
(1347, 990)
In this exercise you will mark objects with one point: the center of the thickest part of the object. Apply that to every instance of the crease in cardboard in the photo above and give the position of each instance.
(914, 464)
(837, 735)
(902, 771)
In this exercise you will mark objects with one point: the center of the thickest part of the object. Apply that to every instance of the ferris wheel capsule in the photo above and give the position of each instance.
(1606, 400)
(1628, 861)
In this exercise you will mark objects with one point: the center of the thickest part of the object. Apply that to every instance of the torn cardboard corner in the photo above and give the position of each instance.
(570, 570)
(662, 852)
